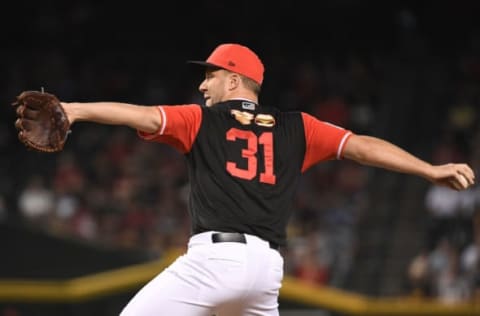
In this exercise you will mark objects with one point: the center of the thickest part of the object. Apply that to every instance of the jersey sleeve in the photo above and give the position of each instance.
(179, 128)
(324, 141)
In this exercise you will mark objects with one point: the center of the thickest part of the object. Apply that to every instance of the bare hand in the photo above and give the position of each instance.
(457, 176)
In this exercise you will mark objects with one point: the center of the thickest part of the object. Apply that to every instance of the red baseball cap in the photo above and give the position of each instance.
(236, 58)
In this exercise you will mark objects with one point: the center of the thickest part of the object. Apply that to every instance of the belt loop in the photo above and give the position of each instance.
(273, 245)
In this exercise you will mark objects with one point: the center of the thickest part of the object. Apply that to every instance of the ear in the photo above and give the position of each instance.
(233, 81)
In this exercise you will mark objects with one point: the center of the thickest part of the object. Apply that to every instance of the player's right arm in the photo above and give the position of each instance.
(380, 153)
(143, 118)
(324, 140)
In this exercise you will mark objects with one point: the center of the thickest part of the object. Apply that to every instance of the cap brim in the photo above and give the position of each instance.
(202, 63)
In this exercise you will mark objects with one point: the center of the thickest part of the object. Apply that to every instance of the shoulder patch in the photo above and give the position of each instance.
(265, 120)
(244, 118)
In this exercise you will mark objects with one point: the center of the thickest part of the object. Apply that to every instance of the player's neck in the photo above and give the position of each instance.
(243, 94)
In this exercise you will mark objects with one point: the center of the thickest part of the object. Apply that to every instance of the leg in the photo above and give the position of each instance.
(267, 267)
(167, 294)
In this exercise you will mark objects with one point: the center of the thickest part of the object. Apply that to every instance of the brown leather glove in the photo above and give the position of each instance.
(42, 123)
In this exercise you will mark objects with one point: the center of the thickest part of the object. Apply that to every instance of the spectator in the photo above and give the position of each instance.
(36, 201)
(452, 286)
(418, 275)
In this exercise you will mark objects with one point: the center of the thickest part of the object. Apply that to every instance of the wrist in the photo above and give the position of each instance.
(71, 111)
(430, 172)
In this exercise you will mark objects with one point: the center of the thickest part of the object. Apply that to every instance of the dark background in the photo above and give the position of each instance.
(422, 55)
(114, 50)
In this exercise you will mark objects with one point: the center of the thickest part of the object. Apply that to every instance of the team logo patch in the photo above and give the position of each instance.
(246, 118)
(243, 118)
(264, 120)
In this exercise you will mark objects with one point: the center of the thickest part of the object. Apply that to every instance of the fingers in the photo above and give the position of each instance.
(21, 136)
(465, 174)
(24, 127)
(27, 125)
(455, 182)
(22, 124)
(462, 178)
(461, 182)
(18, 124)
(20, 110)
(25, 112)
(457, 176)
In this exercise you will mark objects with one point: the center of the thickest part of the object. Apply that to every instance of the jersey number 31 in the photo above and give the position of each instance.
(250, 153)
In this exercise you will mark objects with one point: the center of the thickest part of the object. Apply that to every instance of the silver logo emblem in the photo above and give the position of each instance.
(248, 106)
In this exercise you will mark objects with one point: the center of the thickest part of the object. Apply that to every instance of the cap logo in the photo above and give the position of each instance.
(231, 63)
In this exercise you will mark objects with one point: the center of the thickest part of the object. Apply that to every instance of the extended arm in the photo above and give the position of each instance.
(380, 153)
(144, 118)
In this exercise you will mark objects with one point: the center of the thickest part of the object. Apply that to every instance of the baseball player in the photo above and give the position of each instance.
(244, 162)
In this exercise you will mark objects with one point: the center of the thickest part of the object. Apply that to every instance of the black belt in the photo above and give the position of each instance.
(236, 237)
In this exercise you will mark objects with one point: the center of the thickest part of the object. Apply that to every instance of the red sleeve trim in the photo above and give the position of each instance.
(341, 147)
(151, 136)
(164, 119)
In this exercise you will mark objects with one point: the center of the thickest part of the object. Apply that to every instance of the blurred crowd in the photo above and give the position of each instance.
(448, 266)
(111, 188)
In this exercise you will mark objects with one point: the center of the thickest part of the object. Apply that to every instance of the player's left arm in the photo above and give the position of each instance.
(380, 153)
(139, 117)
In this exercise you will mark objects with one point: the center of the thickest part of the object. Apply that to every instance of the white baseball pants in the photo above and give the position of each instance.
(221, 279)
